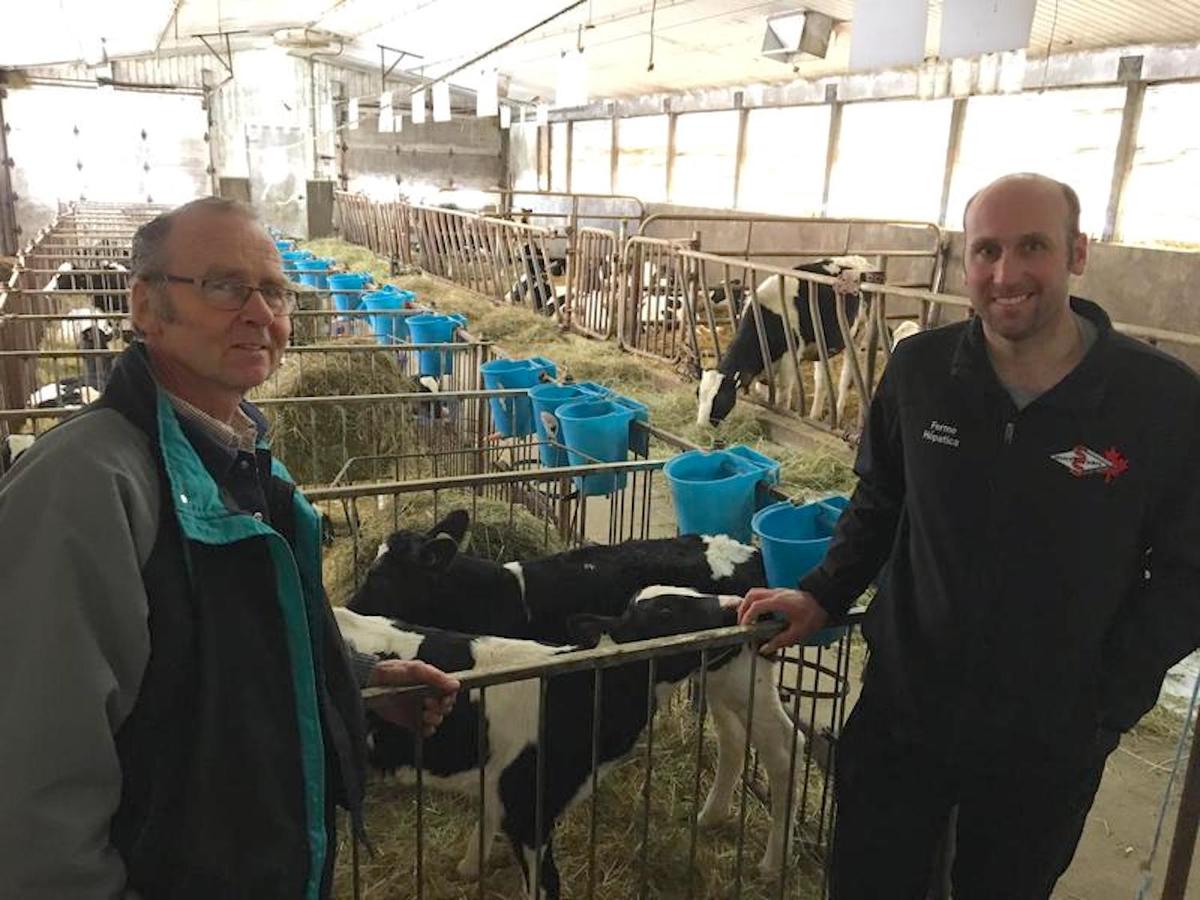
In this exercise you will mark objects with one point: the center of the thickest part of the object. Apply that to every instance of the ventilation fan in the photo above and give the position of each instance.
(792, 35)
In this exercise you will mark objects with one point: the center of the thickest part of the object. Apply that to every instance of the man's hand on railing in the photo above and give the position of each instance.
(804, 615)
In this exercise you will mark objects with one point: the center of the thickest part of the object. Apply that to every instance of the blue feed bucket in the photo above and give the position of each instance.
(313, 272)
(390, 326)
(434, 329)
(794, 540)
(596, 431)
(347, 290)
(546, 399)
(715, 493)
(284, 246)
(514, 415)
(291, 258)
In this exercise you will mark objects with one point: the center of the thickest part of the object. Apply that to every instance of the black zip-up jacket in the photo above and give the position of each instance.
(1042, 566)
(180, 718)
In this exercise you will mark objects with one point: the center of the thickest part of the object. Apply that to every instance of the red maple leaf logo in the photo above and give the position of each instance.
(1117, 464)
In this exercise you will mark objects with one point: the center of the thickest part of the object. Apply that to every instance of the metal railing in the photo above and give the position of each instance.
(573, 209)
(654, 300)
(505, 260)
(593, 287)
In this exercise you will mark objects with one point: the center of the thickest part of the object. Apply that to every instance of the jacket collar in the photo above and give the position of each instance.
(1083, 387)
(132, 387)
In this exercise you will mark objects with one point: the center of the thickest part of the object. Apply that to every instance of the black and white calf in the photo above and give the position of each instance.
(451, 756)
(67, 392)
(423, 579)
(542, 278)
(103, 281)
(743, 361)
(12, 447)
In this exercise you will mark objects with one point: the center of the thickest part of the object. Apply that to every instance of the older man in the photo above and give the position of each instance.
(179, 714)
(1029, 477)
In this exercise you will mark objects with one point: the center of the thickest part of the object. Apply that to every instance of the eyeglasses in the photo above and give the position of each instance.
(231, 294)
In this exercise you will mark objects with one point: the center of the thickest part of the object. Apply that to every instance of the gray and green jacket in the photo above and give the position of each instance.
(179, 716)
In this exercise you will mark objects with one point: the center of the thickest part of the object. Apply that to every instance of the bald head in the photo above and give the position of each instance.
(1032, 186)
(149, 253)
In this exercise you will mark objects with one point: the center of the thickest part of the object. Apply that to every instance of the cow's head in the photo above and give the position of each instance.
(715, 397)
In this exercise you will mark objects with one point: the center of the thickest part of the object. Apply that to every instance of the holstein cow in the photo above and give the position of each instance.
(743, 362)
(422, 579)
(451, 757)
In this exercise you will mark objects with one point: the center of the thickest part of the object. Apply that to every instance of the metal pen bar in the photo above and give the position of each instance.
(651, 671)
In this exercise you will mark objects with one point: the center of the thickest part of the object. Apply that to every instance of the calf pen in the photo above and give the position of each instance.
(595, 847)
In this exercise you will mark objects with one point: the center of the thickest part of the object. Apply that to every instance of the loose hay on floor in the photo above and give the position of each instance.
(449, 818)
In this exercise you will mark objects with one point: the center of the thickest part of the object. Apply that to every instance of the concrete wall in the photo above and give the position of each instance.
(463, 154)
(283, 120)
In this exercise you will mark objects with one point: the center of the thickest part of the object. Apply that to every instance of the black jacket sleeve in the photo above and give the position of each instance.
(867, 528)
(1160, 623)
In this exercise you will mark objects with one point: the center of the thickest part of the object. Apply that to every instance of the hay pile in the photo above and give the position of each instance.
(499, 531)
(448, 819)
(315, 440)
(310, 329)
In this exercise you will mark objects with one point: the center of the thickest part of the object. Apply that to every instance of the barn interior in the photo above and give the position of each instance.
(596, 195)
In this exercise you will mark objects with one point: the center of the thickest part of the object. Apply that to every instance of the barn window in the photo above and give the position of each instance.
(558, 156)
(1069, 135)
(705, 153)
(783, 170)
(522, 155)
(891, 160)
(642, 159)
(591, 157)
(1160, 199)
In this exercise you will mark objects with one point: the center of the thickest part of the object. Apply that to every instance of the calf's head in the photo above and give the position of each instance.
(406, 578)
(715, 396)
(423, 579)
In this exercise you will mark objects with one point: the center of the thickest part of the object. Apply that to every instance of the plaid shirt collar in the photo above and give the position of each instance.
(239, 435)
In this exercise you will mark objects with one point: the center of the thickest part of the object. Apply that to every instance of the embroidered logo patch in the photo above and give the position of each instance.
(941, 433)
(1085, 461)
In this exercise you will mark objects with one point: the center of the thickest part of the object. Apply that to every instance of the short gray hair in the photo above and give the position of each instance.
(148, 254)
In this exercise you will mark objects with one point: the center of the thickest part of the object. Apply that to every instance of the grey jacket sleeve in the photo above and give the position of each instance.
(78, 516)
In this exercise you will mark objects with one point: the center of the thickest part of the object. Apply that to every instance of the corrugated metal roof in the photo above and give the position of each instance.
(706, 43)
(697, 43)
